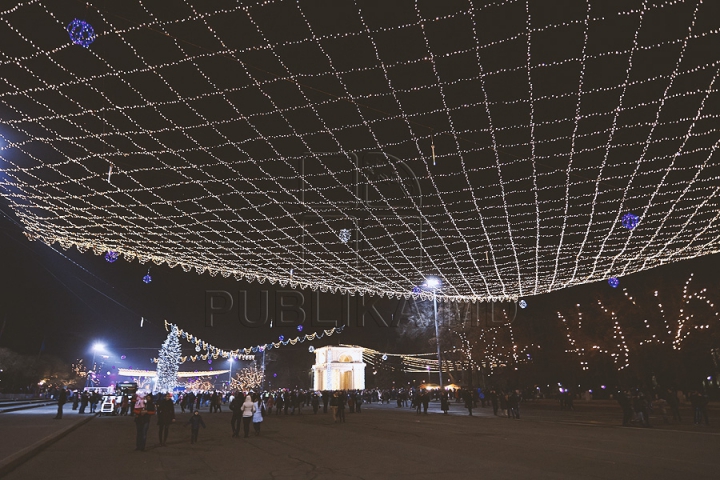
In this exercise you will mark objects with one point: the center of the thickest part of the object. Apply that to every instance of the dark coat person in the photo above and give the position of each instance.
(236, 408)
(62, 400)
(165, 416)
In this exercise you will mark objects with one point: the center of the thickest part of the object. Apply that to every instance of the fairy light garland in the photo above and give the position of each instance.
(244, 354)
(148, 172)
(408, 362)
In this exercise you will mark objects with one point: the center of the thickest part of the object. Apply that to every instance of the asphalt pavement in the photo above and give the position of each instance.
(26, 432)
(387, 442)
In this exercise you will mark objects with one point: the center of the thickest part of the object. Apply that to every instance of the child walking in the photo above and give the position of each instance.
(195, 422)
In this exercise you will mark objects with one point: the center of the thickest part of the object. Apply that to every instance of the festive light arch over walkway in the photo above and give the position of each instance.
(358, 148)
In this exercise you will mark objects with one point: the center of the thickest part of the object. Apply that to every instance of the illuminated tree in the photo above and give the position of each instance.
(247, 379)
(168, 362)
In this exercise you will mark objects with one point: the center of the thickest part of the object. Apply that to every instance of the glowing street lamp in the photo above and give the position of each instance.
(230, 361)
(433, 283)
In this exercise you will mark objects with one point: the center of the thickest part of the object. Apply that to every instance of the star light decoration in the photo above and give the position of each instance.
(147, 278)
(182, 144)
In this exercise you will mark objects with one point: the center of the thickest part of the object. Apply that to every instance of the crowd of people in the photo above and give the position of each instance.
(250, 408)
(637, 406)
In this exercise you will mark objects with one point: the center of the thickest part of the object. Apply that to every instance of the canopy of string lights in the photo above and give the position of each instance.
(355, 146)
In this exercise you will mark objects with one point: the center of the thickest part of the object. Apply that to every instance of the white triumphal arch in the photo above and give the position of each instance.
(339, 368)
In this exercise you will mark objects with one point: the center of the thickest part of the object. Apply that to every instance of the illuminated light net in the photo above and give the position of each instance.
(496, 146)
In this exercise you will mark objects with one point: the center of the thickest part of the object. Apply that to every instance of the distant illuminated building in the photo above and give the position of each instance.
(339, 368)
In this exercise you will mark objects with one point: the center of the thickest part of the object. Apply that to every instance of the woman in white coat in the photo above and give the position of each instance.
(247, 409)
(259, 413)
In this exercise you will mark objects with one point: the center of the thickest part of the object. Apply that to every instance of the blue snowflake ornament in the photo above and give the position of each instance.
(299, 328)
(147, 278)
(613, 282)
(522, 303)
(630, 220)
(111, 256)
(345, 235)
(81, 33)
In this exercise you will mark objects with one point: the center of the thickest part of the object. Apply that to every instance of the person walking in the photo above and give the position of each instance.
(334, 401)
(625, 402)
(124, 405)
(342, 399)
(494, 401)
(62, 400)
(236, 409)
(468, 401)
(444, 404)
(325, 400)
(247, 409)
(258, 414)
(144, 408)
(502, 398)
(165, 416)
(195, 422)
(299, 400)
(94, 400)
(674, 403)
(514, 405)
(315, 403)
(84, 400)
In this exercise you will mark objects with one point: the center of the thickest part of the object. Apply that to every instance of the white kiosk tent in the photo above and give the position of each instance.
(339, 368)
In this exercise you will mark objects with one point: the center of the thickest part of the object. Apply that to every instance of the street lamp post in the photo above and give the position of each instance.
(434, 284)
(262, 383)
(231, 360)
(437, 337)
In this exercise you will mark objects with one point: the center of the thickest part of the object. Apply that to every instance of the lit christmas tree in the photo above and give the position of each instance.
(168, 362)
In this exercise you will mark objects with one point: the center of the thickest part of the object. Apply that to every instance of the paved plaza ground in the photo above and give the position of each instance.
(385, 442)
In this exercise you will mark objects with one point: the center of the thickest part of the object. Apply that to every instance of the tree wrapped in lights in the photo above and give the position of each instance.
(199, 385)
(247, 379)
(664, 335)
(168, 362)
(79, 369)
